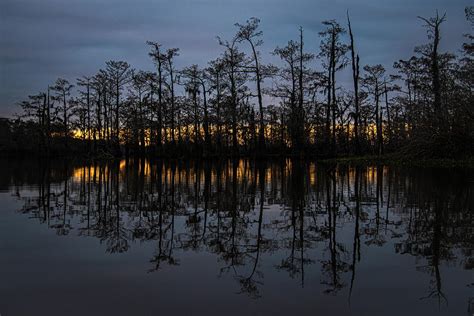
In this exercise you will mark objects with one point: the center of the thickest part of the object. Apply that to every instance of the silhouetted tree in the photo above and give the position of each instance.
(333, 51)
(119, 73)
(63, 88)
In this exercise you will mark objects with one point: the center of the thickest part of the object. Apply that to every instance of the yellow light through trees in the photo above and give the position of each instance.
(243, 135)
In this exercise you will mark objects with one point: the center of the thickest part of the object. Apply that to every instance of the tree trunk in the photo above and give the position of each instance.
(355, 78)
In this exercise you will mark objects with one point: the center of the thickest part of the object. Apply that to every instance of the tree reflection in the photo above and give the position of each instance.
(293, 215)
(299, 236)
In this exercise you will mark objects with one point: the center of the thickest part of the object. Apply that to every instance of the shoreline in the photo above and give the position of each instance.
(389, 159)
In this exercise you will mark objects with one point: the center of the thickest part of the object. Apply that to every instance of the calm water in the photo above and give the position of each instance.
(281, 238)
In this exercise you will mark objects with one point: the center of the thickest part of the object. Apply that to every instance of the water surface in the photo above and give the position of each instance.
(139, 237)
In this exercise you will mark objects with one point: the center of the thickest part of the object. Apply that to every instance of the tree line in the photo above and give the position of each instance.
(240, 105)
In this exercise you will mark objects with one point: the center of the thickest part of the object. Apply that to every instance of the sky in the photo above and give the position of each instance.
(42, 40)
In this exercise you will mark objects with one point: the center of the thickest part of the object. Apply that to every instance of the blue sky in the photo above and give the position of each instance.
(44, 39)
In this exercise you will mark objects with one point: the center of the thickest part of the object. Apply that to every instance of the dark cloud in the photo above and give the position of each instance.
(41, 40)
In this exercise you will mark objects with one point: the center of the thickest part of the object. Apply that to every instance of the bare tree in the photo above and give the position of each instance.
(433, 25)
(233, 61)
(249, 32)
(86, 83)
(119, 73)
(63, 88)
(170, 55)
(159, 59)
(333, 51)
(374, 81)
(355, 78)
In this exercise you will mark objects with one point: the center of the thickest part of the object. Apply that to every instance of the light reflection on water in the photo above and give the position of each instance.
(277, 237)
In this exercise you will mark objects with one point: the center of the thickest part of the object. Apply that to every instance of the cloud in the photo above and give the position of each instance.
(42, 40)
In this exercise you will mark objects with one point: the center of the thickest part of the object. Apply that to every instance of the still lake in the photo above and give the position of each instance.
(140, 237)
